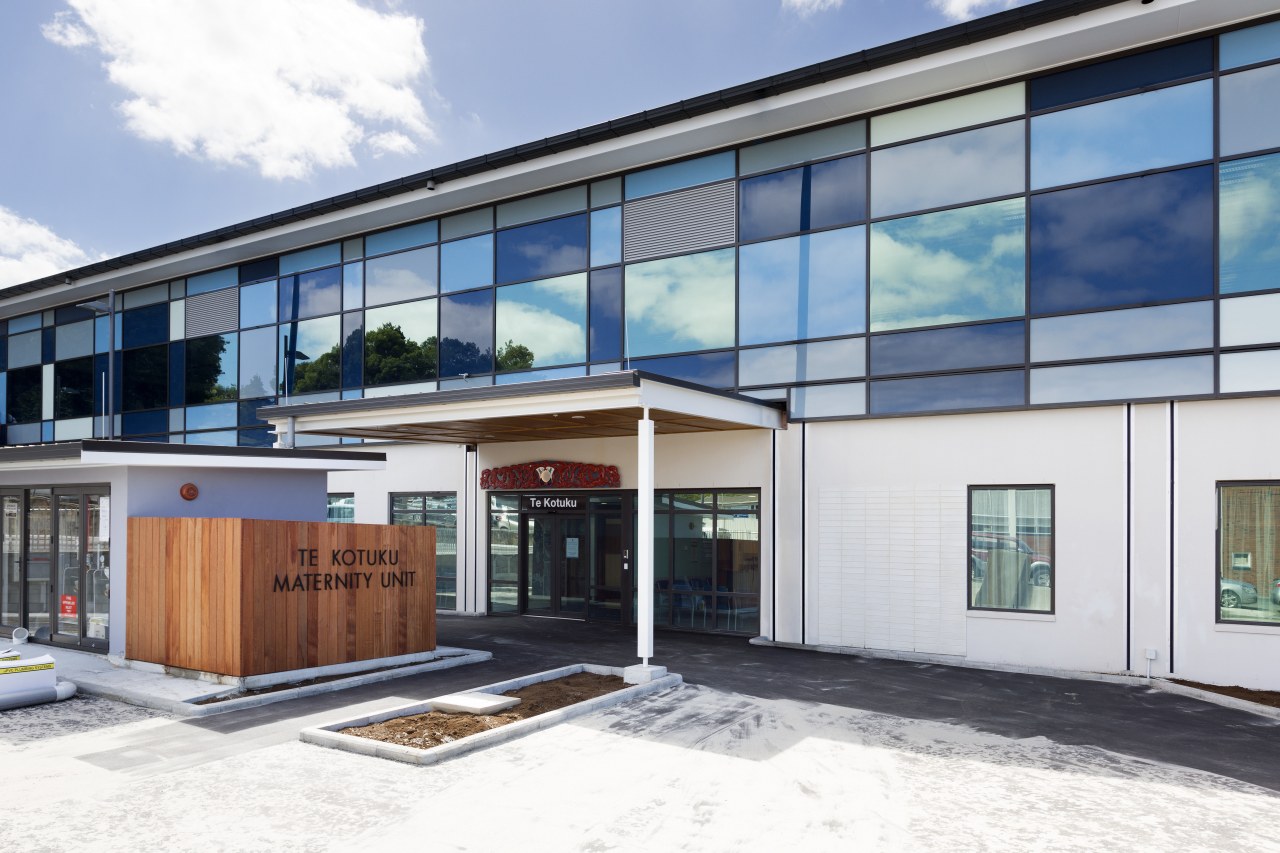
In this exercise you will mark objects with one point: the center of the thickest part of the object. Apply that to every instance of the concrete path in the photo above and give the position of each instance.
(767, 749)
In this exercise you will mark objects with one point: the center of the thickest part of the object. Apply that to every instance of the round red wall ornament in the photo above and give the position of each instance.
(189, 491)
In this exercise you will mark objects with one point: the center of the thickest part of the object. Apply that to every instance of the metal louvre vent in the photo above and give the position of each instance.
(685, 221)
(213, 313)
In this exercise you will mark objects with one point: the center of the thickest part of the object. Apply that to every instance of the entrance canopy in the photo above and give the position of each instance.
(608, 405)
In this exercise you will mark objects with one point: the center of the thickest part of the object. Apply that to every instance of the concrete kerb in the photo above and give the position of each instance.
(1106, 677)
(329, 734)
(189, 709)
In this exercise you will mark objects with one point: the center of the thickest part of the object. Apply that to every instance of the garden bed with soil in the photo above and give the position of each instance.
(419, 733)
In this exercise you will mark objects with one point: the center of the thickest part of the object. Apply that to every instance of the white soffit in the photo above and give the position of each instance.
(1085, 36)
(188, 460)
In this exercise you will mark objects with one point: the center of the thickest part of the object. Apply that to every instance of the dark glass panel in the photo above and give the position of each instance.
(713, 369)
(311, 355)
(1147, 239)
(144, 423)
(24, 393)
(261, 437)
(260, 269)
(606, 314)
(177, 371)
(542, 250)
(396, 278)
(947, 393)
(352, 349)
(771, 204)
(211, 369)
(144, 326)
(838, 192)
(466, 333)
(71, 314)
(311, 294)
(1121, 75)
(144, 378)
(400, 343)
(73, 388)
(948, 349)
(48, 345)
(247, 411)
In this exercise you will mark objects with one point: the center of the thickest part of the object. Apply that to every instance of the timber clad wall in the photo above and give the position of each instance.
(247, 597)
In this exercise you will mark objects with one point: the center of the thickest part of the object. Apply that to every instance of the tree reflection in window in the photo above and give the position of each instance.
(391, 356)
(211, 369)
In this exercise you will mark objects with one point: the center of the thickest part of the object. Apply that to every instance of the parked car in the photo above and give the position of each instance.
(1040, 570)
(1233, 593)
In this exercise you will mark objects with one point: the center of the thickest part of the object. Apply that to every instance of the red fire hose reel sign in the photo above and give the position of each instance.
(69, 603)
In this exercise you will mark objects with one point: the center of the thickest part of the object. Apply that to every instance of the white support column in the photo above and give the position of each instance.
(644, 539)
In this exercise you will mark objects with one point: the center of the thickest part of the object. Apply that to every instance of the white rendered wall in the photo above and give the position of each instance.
(1217, 441)
(886, 507)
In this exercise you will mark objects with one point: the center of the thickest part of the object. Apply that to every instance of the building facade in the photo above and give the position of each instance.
(1015, 284)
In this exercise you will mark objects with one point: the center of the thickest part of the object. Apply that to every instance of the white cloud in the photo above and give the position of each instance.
(29, 250)
(963, 10)
(805, 8)
(288, 86)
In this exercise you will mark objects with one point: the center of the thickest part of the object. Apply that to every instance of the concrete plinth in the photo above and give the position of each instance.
(642, 674)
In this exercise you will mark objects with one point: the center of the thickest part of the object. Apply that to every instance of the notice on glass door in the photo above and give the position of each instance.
(571, 547)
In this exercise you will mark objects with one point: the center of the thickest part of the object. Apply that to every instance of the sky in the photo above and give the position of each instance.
(131, 123)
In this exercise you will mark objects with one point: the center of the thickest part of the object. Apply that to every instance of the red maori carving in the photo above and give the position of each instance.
(551, 475)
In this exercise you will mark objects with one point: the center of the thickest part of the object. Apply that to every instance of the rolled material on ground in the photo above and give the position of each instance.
(40, 695)
(30, 682)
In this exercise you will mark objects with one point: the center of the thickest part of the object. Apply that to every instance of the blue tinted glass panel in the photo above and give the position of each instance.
(606, 314)
(948, 349)
(1162, 328)
(1147, 131)
(212, 417)
(258, 270)
(982, 163)
(1249, 220)
(143, 423)
(1146, 239)
(543, 250)
(75, 340)
(542, 323)
(814, 145)
(829, 401)
(401, 238)
(396, 278)
(352, 286)
(212, 373)
(948, 267)
(219, 438)
(352, 349)
(606, 237)
(813, 362)
(101, 334)
(311, 356)
(400, 343)
(67, 314)
(258, 304)
(539, 375)
(1245, 47)
(680, 304)
(308, 259)
(812, 286)
(1249, 110)
(247, 411)
(1159, 378)
(258, 362)
(311, 294)
(29, 323)
(771, 204)
(466, 333)
(25, 349)
(143, 326)
(466, 224)
(143, 378)
(715, 370)
(837, 192)
(688, 173)
(177, 371)
(261, 437)
(1121, 75)
(544, 206)
(949, 393)
(465, 264)
(212, 281)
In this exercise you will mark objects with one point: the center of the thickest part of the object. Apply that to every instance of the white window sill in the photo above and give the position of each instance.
(1240, 628)
(1012, 614)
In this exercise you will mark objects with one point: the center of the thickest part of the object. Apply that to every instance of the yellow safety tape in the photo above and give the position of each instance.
(10, 670)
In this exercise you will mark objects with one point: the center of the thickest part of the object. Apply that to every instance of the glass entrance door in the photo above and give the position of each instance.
(39, 587)
(11, 560)
(65, 570)
(68, 550)
(555, 565)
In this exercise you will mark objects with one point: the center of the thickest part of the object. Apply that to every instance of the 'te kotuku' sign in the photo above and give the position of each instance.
(248, 597)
